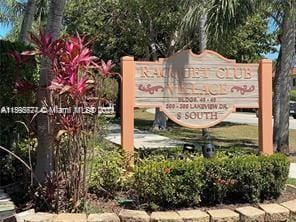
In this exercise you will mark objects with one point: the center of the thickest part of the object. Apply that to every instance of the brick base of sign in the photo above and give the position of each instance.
(285, 211)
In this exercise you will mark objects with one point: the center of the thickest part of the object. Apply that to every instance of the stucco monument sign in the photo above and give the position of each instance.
(196, 91)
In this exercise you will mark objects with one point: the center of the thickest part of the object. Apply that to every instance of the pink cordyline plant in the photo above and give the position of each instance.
(73, 84)
(71, 62)
(71, 65)
(105, 68)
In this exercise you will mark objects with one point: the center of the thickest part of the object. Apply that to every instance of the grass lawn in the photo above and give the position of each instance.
(223, 135)
(291, 181)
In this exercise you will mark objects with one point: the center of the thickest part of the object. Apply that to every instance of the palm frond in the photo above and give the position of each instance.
(10, 11)
(227, 14)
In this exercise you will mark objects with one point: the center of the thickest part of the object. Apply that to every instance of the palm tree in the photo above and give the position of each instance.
(27, 20)
(286, 18)
(223, 15)
(45, 138)
(11, 11)
(23, 14)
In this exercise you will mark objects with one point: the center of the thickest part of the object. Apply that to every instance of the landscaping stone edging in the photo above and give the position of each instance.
(263, 213)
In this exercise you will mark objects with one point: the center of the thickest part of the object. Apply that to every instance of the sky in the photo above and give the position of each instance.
(4, 30)
(272, 27)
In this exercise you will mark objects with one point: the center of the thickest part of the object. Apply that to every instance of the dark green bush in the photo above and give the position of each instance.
(169, 182)
(12, 134)
(274, 170)
(218, 178)
(189, 182)
(11, 71)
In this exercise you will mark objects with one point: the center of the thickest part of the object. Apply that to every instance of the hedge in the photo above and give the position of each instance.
(191, 182)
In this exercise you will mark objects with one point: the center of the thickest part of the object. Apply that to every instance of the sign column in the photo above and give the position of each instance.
(265, 107)
(127, 104)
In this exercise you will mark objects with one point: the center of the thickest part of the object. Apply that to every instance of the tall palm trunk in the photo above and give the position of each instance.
(45, 138)
(27, 21)
(203, 39)
(202, 34)
(160, 120)
(282, 108)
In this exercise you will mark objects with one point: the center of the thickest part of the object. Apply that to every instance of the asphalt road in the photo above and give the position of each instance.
(250, 118)
(244, 118)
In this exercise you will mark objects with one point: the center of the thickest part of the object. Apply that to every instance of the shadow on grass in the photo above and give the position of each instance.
(143, 124)
(229, 124)
(194, 136)
(222, 143)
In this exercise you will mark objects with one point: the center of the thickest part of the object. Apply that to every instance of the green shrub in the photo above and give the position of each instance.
(189, 182)
(217, 179)
(178, 152)
(293, 95)
(275, 170)
(108, 172)
(169, 183)
(247, 177)
(172, 153)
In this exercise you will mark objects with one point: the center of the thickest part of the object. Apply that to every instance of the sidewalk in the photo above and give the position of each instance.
(143, 139)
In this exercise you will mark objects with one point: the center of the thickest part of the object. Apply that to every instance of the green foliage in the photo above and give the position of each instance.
(247, 42)
(160, 152)
(107, 176)
(11, 11)
(10, 73)
(275, 171)
(293, 95)
(125, 27)
(189, 182)
(217, 180)
(12, 170)
(178, 152)
(131, 28)
(248, 179)
(170, 183)
(108, 88)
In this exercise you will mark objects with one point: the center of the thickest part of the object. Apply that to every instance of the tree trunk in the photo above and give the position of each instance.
(282, 108)
(202, 34)
(203, 39)
(118, 99)
(45, 138)
(27, 21)
(160, 119)
(276, 103)
(55, 16)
